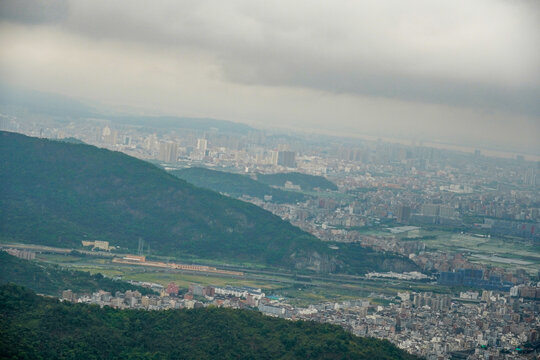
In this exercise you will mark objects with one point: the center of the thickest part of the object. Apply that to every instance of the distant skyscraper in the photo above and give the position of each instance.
(403, 214)
(109, 136)
(275, 157)
(530, 177)
(202, 145)
(168, 151)
(286, 158)
(430, 209)
(447, 212)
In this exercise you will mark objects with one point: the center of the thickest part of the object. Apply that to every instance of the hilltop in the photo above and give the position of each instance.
(35, 327)
(58, 194)
(305, 181)
(235, 185)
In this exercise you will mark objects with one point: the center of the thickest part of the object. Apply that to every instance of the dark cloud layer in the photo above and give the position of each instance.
(482, 55)
(438, 91)
(272, 49)
(34, 12)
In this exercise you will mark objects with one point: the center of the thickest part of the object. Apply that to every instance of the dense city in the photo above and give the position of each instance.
(432, 325)
(434, 206)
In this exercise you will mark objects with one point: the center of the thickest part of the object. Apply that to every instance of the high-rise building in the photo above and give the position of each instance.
(109, 136)
(430, 209)
(202, 145)
(168, 151)
(275, 157)
(530, 177)
(286, 158)
(447, 212)
(403, 214)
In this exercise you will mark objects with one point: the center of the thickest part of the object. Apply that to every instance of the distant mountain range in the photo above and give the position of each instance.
(175, 122)
(21, 102)
(15, 100)
(57, 193)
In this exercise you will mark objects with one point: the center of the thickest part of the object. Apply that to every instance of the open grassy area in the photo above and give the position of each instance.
(296, 290)
(184, 280)
(139, 273)
(507, 253)
(306, 295)
(319, 291)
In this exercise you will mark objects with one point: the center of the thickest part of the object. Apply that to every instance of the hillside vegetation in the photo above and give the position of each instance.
(33, 327)
(306, 182)
(58, 194)
(235, 185)
(52, 280)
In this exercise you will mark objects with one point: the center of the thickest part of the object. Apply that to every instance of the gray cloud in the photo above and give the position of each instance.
(34, 12)
(438, 91)
(342, 47)
(481, 54)
(454, 56)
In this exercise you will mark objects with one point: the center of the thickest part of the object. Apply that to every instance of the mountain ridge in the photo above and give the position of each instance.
(63, 193)
(305, 181)
(59, 194)
(235, 184)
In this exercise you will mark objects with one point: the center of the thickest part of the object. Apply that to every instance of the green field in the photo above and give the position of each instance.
(511, 254)
(297, 291)
(140, 273)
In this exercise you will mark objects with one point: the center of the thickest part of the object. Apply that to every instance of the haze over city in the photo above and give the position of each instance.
(270, 179)
(462, 73)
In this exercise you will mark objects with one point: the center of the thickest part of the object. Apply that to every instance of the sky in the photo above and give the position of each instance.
(461, 72)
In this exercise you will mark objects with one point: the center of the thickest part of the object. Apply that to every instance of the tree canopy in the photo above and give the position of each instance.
(33, 327)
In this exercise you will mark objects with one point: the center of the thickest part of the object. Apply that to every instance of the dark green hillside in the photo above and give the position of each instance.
(52, 280)
(235, 184)
(58, 194)
(306, 182)
(72, 140)
(32, 327)
(361, 260)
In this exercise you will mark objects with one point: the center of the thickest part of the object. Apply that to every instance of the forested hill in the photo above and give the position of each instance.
(33, 327)
(306, 182)
(58, 194)
(52, 280)
(235, 185)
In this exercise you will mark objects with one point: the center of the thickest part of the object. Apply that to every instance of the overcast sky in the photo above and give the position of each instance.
(452, 71)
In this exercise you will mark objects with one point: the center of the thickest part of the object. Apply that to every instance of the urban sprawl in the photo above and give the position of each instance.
(392, 197)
